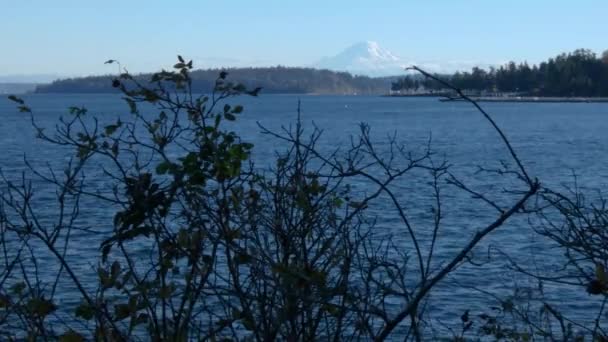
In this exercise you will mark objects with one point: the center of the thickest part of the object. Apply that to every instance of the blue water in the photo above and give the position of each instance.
(552, 138)
(554, 141)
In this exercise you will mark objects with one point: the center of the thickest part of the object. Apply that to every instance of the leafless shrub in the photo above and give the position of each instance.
(206, 246)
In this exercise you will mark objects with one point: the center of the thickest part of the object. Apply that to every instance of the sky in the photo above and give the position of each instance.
(68, 37)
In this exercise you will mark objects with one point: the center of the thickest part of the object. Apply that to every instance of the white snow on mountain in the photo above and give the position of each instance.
(370, 59)
(365, 58)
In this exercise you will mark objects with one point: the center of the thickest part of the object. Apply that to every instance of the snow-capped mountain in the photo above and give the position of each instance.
(365, 58)
(370, 59)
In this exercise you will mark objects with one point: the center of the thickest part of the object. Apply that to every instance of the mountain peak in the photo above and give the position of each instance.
(373, 50)
(364, 58)
(369, 58)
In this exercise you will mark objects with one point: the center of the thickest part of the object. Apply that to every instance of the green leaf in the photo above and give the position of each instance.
(242, 258)
(332, 309)
(110, 129)
(85, 311)
(255, 92)
(237, 109)
(121, 311)
(71, 336)
(115, 148)
(16, 99)
(183, 239)
(163, 168)
(337, 202)
(600, 273)
(105, 250)
(41, 307)
(104, 278)
(150, 96)
(24, 109)
(77, 110)
(229, 117)
(248, 324)
(18, 288)
(166, 291)
(208, 259)
(133, 302)
(82, 151)
(4, 301)
(319, 277)
(240, 87)
(115, 269)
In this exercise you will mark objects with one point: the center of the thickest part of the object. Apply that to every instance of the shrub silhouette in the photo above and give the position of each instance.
(206, 246)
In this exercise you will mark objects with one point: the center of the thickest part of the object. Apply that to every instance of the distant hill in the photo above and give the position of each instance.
(287, 80)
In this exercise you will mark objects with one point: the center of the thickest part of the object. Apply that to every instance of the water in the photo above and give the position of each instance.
(553, 140)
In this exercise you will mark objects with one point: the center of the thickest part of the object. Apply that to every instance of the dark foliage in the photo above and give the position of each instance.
(278, 79)
(580, 73)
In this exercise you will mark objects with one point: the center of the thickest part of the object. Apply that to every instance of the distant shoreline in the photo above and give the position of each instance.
(418, 95)
(530, 99)
(533, 99)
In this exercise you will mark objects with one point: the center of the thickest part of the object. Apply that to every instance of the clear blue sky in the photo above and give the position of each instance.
(69, 37)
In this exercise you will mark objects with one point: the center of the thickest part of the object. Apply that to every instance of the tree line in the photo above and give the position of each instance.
(279, 79)
(579, 73)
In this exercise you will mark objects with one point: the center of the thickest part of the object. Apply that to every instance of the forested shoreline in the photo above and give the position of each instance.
(286, 80)
(579, 73)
